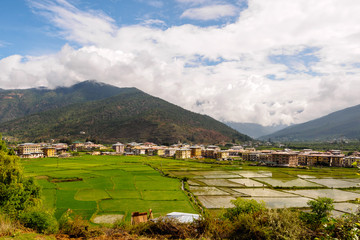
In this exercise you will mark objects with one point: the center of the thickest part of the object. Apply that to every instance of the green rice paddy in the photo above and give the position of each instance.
(118, 185)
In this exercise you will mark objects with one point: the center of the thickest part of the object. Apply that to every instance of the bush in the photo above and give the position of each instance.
(214, 227)
(74, 226)
(320, 211)
(345, 227)
(168, 228)
(244, 206)
(40, 221)
(7, 225)
(269, 224)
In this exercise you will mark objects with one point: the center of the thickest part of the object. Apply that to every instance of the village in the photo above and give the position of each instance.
(278, 158)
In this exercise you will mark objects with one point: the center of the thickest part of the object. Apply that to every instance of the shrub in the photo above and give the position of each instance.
(214, 227)
(320, 212)
(74, 226)
(7, 225)
(244, 206)
(40, 221)
(168, 228)
(269, 224)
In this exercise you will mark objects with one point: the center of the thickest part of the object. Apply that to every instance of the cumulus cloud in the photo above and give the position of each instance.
(212, 12)
(280, 62)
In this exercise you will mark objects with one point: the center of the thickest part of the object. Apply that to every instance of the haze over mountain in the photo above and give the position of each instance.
(340, 124)
(108, 114)
(254, 130)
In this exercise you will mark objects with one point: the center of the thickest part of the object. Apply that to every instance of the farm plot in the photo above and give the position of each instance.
(346, 207)
(335, 183)
(207, 191)
(216, 201)
(220, 183)
(288, 182)
(306, 176)
(247, 182)
(284, 202)
(265, 192)
(117, 186)
(337, 195)
(253, 174)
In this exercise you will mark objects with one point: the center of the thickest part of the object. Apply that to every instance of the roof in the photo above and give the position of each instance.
(118, 144)
(183, 217)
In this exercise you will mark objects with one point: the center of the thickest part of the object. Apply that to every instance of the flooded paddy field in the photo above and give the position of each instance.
(277, 187)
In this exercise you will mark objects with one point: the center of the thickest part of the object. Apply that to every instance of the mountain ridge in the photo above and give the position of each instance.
(131, 115)
(344, 123)
(15, 103)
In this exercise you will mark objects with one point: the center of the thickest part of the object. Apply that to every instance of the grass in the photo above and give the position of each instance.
(91, 195)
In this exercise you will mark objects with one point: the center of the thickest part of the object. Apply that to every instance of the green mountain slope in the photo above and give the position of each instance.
(340, 124)
(22, 102)
(129, 116)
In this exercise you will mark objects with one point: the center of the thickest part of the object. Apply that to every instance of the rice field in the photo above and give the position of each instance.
(115, 186)
(94, 186)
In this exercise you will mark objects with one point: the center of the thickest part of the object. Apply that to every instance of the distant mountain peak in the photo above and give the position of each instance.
(337, 125)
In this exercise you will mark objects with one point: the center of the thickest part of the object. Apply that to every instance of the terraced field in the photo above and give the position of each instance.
(113, 186)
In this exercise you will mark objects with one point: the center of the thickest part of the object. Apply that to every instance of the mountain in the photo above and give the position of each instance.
(18, 103)
(341, 124)
(254, 130)
(131, 115)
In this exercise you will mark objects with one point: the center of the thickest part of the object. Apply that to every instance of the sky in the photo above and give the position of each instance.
(259, 61)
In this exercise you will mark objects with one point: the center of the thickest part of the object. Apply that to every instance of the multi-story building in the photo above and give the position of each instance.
(209, 153)
(118, 147)
(61, 148)
(195, 152)
(350, 160)
(170, 152)
(325, 159)
(183, 153)
(30, 150)
(286, 159)
(160, 151)
(49, 151)
(222, 155)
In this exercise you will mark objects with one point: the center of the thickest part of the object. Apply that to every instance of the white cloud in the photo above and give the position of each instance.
(212, 12)
(220, 71)
(76, 25)
(192, 2)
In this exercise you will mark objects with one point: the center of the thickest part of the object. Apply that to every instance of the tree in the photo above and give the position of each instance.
(320, 211)
(17, 193)
(244, 206)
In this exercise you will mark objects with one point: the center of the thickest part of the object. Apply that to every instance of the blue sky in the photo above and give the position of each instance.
(268, 62)
(24, 31)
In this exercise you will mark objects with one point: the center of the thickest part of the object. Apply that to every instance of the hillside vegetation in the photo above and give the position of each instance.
(131, 115)
(18, 103)
(341, 124)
